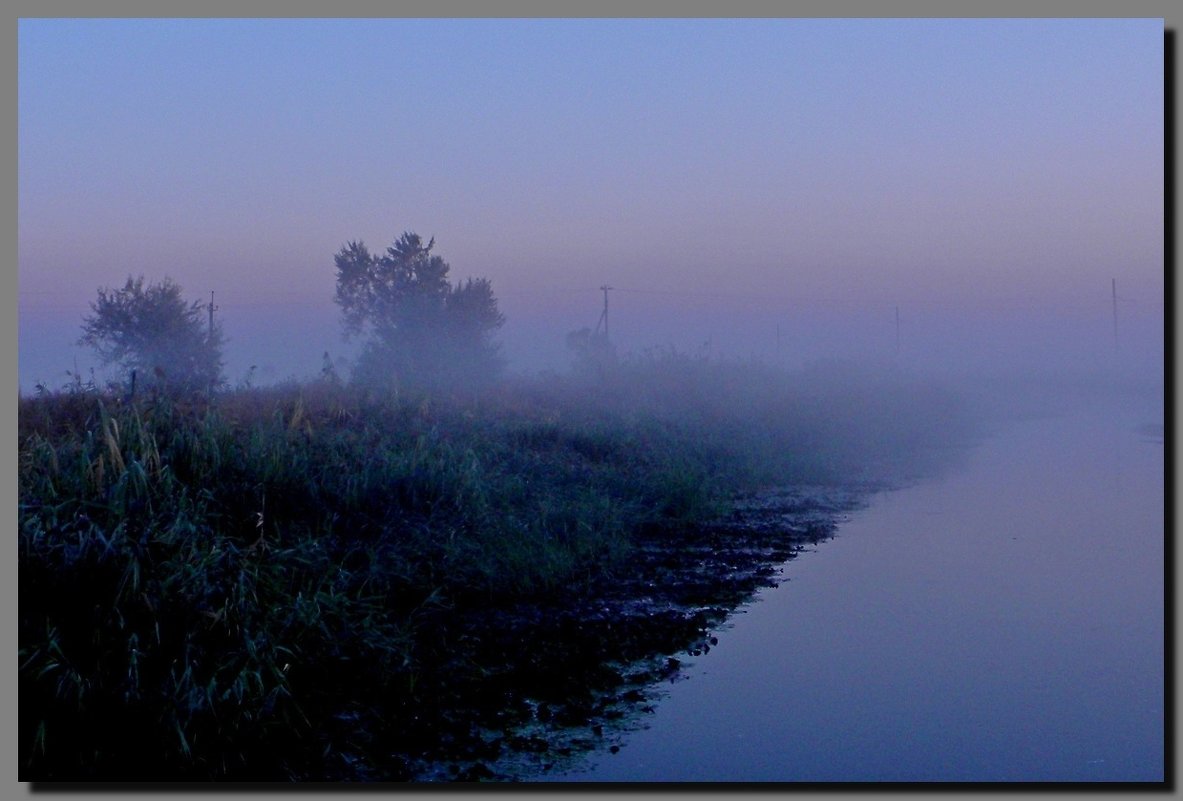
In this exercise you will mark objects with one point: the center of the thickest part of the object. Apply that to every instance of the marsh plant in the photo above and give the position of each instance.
(262, 586)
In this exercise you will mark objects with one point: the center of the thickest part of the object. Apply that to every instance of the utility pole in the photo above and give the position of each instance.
(211, 316)
(604, 314)
(212, 307)
(1115, 315)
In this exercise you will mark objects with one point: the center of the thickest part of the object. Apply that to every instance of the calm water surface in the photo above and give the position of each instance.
(1003, 622)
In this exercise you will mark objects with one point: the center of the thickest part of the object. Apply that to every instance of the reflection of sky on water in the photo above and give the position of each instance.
(1002, 623)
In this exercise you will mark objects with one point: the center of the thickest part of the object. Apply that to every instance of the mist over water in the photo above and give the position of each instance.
(924, 255)
(1002, 621)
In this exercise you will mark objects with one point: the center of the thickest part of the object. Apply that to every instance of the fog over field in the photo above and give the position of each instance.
(773, 190)
(422, 400)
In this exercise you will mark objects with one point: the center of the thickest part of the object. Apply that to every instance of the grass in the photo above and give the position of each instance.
(261, 587)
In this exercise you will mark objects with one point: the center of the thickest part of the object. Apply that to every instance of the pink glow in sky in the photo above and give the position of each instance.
(744, 174)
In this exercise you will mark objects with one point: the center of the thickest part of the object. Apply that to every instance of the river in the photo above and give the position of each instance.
(1002, 622)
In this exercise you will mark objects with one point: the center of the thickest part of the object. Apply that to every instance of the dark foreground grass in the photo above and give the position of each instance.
(264, 587)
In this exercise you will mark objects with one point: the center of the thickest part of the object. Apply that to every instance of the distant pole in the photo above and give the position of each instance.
(211, 316)
(604, 315)
(211, 338)
(897, 329)
(605, 287)
(1115, 315)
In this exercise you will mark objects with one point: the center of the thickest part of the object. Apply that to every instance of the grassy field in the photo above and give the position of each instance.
(254, 587)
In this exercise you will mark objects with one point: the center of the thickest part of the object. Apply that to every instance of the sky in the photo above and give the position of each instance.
(769, 189)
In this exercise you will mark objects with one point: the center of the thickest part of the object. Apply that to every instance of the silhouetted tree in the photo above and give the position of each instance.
(420, 330)
(152, 330)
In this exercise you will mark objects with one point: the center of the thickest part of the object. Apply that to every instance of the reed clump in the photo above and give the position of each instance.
(261, 587)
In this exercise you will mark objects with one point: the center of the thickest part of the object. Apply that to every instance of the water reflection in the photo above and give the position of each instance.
(1002, 623)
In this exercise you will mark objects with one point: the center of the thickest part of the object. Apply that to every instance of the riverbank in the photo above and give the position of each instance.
(597, 660)
(1000, 622)
(304, 582)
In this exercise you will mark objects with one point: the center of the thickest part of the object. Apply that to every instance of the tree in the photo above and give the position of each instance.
(152, 331)
(419, 329)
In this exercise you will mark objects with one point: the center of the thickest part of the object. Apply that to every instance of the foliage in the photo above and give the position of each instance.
(420, 330)
(151, 330)
(206, 593)
(264, 587)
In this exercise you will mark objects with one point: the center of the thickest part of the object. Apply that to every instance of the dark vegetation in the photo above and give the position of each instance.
(154, 336)
(420, 330)
(276, 585)
(367, 581)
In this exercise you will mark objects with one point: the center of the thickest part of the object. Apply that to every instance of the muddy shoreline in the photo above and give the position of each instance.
(528, 688)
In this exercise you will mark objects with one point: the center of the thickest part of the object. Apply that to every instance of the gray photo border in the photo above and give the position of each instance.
(1172, 13)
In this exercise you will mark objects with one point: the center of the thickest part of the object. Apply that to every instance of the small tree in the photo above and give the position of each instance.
(420, 330)
(152, 330)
